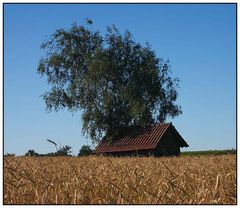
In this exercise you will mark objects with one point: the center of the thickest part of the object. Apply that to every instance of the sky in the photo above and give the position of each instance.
(198, 39)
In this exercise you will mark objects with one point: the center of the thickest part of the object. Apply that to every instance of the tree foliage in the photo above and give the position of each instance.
(64, 151)
(115, 81)
(9, 155)
(85, 150)
(60, 150)
(31, 153)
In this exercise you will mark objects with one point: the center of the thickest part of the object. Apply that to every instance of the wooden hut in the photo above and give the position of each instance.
(161, 139)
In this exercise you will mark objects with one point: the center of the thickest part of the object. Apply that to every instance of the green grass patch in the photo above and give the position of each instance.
(209, 152)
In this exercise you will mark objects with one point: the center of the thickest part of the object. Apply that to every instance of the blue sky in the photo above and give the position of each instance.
(198, 39)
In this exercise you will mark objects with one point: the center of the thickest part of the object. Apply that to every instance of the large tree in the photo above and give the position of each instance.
(116, 82)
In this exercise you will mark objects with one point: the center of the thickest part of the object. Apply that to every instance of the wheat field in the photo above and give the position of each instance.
(123, 180)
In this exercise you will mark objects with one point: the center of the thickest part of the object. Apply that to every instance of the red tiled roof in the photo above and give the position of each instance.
(145, 139)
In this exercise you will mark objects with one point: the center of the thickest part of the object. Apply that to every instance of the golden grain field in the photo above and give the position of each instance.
(126, 180)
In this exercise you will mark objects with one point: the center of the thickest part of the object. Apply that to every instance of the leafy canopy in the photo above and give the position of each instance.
(116, 82)
(85, 150)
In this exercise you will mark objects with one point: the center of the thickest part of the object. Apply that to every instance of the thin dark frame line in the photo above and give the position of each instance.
(111, 3)
(3, 102)
(217, 3)
(236, 102)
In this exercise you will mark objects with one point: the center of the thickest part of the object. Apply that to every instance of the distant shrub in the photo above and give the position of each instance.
(9, 155)
(31, 153)
(85, 150)
(64, 151)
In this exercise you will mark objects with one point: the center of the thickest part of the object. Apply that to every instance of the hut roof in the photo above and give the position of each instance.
(145, 138)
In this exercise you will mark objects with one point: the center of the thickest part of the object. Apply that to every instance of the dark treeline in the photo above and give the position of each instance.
(63, 151)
